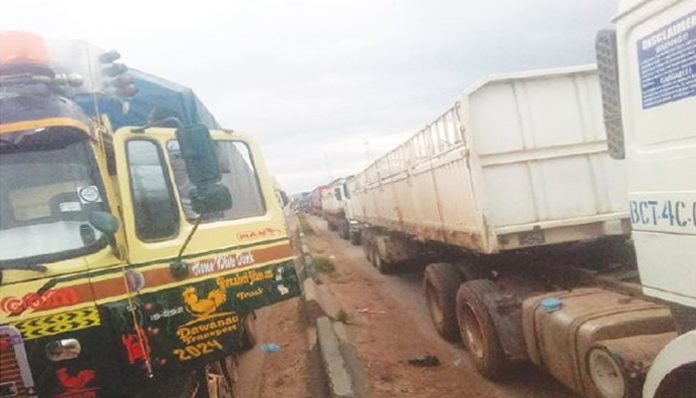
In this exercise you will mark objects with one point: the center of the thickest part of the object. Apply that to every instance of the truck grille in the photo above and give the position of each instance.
(12, 383)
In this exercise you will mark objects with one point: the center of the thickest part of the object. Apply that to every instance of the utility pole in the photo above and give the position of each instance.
(328, 167)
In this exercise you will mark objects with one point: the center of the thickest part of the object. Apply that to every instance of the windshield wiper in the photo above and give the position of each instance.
(8, 143)
(25, 267)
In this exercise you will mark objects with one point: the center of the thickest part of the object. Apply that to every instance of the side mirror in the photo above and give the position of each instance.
(198, 151)
(210, 198)
(284, 198)
(607, 64)
(104, 222)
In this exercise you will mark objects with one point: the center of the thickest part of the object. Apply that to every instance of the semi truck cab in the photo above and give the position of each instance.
(648, 76)
(129, 260)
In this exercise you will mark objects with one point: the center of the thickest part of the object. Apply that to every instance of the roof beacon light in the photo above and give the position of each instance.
(23, 52)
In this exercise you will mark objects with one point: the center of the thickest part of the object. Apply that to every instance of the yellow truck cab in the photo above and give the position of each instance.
(128, 259)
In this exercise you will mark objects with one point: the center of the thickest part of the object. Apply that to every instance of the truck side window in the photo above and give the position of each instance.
(156, 215)
(238, 175)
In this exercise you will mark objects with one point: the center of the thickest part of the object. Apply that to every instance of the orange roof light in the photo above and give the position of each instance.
(23, 52)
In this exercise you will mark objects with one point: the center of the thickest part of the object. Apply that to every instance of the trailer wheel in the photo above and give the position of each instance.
(477, 330)
(383, 266)
(440, 284)
(355, 238)
(344, 230)
(249, 334)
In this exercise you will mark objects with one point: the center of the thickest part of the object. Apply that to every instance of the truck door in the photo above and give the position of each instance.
(193, 278)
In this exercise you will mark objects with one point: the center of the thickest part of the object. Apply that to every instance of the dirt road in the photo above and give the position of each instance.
(276, 374)
(389, 323)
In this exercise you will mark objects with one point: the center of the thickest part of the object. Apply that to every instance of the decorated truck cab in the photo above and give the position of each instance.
(130, 260)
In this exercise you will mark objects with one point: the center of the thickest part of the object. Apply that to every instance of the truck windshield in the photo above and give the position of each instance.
(49, 185)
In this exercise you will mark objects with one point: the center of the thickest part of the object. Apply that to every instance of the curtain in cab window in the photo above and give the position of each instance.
(156, 214)
(238, 175)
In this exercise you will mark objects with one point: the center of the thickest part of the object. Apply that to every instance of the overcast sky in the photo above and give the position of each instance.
(325, 85)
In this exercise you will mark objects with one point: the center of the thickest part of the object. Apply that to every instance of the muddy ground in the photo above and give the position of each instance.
(388, 322)
(276, 374)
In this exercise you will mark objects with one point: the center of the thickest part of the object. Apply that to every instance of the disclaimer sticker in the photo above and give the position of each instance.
(667, 61)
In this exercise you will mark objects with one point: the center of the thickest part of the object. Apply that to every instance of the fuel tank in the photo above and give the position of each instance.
(559, 336)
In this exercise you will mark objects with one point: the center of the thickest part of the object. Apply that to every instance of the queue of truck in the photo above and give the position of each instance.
(553, 212)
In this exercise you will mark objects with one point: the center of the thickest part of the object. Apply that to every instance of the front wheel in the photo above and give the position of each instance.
(182, 385)
(249, 334)
(383, 266)
(477, 329)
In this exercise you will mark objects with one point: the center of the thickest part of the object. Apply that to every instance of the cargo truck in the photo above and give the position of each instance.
(511, 199)
(315, 200)
(130, 260)
(338, 211)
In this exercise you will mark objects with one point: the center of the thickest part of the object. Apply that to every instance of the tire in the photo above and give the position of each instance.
(477, 329)
(249, 335)
(344, 230)
(440, 284)
(384, 267)
(679, 383)
(331, 226)
(355, 238)
(182, 385)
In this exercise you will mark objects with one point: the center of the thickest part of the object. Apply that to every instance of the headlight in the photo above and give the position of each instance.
(61, 350)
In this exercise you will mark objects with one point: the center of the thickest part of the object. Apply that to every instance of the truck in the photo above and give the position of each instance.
(338, 211)
(132, 258)
(512, 204)
(647, 68)
(315, 200)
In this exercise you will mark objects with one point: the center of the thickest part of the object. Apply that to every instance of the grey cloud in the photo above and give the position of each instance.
(303, 75)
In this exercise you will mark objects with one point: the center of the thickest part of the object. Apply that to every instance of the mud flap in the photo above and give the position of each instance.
(506, 312)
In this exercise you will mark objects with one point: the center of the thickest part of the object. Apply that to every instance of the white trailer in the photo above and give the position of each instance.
(511, 198)
(519, 161)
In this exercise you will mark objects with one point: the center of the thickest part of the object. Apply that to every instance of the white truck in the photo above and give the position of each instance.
(648, 75)
(338, 211)
(512, 200)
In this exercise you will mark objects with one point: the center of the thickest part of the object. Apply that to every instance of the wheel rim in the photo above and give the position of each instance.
(433, 304)
(471, 327)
